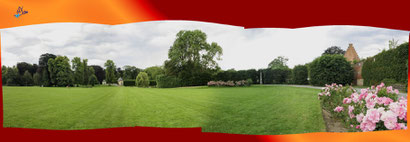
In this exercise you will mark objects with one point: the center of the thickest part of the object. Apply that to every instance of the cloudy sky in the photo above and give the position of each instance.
(146, 44)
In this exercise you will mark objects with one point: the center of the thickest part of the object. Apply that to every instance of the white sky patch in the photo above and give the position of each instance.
(146, 44)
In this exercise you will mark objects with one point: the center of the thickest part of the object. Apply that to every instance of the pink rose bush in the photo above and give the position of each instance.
(375, 108)
(228, 83)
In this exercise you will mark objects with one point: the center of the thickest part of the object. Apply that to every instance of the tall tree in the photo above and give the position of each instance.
(191, 58)
(3, 74)
(334, 50)
(77, 66)
(11, 75)
(119, 73)
(43, 68)
(23, 67)
(27, 78)
(60, 71)
(86, 72)
(154, 71)
(99, 72)
(110, 71)
(279, 63)
(131, 72)
(37, 79)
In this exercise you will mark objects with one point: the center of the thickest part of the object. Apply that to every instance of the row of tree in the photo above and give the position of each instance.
(53, 70)
(191, 62)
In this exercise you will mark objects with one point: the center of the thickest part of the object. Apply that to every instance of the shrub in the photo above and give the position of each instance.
(249, 82)
(142, 80)
(168, 81)
(391, 64)
(388, 81)
(93, 80)
(300, 74)
(375, 108)
(329, 69)
(129, 83)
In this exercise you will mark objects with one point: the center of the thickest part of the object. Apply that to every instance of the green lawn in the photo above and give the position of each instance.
(242, 110)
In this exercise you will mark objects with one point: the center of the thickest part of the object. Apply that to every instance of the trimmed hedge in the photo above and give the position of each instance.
(129, 83)
(276, 76)
(237, 75)
(300, 74)
(152, 83)
(390, 64)
(168, 81)
(328, 69)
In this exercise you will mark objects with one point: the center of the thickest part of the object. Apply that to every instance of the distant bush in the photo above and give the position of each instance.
(389, 64)
(328, 69)
(142, 80)
(168, 81)
(300, 74)
(129, 83)
(249, 82)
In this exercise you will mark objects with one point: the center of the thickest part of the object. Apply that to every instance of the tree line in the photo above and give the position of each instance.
(54, 70)
(192, 61)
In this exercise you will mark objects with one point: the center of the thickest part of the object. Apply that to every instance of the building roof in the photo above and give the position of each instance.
(351, 54)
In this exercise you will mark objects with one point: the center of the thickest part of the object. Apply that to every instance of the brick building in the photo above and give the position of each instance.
(351, 55)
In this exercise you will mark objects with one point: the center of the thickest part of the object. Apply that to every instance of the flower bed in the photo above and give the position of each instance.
(229, 83)
(375, 108)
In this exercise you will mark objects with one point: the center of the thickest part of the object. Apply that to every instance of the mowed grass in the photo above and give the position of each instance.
(241, 110)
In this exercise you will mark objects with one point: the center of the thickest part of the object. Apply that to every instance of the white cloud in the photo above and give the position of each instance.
(146, 44)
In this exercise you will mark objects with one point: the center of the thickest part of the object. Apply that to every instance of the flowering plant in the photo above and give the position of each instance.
(375, 108)
(228, 83)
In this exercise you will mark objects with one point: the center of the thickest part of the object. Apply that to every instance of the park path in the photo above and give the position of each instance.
(315, 87)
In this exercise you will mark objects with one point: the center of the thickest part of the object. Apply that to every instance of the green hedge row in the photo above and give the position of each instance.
(390, 64)
(168, 81)
(129, 82)
(300, 74)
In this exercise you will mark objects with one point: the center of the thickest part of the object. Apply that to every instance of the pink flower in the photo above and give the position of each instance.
(390, 119)
(351, 125)
(351, 108)
(373, 115)
(399, 108)
(347, 101)
(372, 87)
(396, 91)
(338, 109)
(370, 103)
(355, 97)
(389, 89)
(358, 126)
(359, 117)
(367, 126)
(400, 126)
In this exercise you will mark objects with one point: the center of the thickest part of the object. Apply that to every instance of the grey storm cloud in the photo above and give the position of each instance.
(147, 43)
